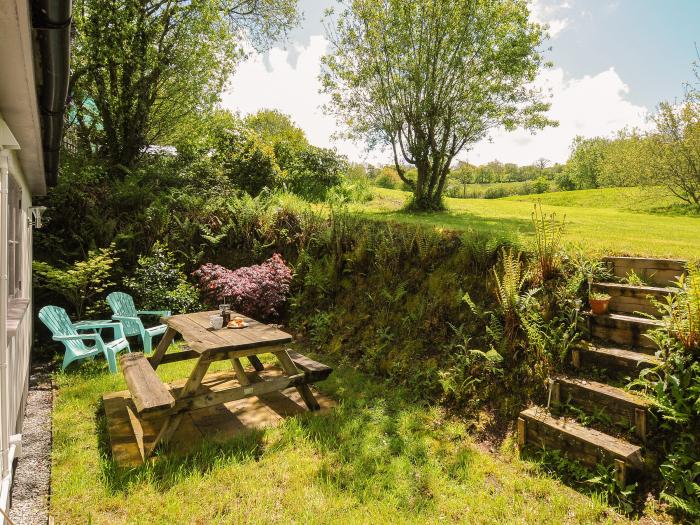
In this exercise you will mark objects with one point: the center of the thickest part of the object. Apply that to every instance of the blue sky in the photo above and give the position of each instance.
(614, 61)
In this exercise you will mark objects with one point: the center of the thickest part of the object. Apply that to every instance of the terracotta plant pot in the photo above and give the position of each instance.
(599, 306)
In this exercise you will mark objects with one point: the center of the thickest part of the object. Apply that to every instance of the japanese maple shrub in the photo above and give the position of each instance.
(258, 291)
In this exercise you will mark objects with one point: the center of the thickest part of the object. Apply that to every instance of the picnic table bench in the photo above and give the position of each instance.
(152, 399)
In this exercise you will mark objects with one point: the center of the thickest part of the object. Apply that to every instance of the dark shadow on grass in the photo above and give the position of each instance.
(677, 210)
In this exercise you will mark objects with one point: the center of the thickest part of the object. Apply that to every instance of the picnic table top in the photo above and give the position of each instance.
(197, 332)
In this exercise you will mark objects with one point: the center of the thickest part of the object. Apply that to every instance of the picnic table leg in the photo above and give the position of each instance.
(256, 363)
(193, 382)
(162, 347)
(243, 378)
(290, 369)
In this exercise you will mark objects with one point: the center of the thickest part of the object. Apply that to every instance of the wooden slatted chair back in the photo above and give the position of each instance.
(57, 321)
(122, 304)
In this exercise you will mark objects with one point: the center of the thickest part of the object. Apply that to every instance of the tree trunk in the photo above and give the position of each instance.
(426, 198)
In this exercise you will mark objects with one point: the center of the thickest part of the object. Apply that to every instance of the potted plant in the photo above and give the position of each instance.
(599, 302)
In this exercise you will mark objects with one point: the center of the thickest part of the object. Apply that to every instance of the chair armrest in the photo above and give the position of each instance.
(125, 318)
(91, 325)
(162, 313)
(78, 337)
(117, 326)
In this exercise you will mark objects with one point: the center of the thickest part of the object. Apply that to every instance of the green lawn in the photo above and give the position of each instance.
(376, 458)
(599, 222)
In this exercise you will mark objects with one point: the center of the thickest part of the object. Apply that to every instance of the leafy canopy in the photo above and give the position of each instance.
(145, 69)
(431, 78)
(80, 283)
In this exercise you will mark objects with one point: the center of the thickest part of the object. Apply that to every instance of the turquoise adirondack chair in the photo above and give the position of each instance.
(122, 305)
(73, 337)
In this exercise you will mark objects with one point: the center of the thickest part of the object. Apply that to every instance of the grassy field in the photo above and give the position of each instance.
(608, 221)
(376, 458)
(645, 200)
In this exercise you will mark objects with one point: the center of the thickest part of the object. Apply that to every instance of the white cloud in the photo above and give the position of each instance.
(273, 83)
(590, 106)
(550, 12)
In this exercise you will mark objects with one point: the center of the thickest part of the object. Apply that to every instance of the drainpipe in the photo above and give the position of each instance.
(51, 20)
(4, 387)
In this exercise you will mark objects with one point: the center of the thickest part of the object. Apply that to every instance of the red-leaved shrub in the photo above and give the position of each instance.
(256, 291)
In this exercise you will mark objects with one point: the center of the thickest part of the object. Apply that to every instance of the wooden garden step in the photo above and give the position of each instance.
(628, 298)
(148, 392)
(618, 359)
(656, 271)
(623, 408)
(623, 329)
(536, 426)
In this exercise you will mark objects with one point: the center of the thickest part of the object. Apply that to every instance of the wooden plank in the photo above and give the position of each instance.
(647, 263)
(212, 398)
(617, 358)
(125, 450)
(314, 370)
(586, 444)
(620, 473)
(223, 387)
(182, 355)
(257, 364)
(138, 431)
(162, 347)
(624, 330)
(191, 386)
(625, 298)
(592, 396)
(290, 368)
(147, 390)
(196, 332)
(240, 372)
(657, 271)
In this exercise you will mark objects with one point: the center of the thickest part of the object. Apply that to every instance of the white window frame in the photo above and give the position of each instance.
(15, 240)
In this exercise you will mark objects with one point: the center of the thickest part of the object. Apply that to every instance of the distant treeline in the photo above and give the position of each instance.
(667, 155)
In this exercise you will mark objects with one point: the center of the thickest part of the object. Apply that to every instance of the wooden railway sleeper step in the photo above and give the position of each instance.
(632, 299)
(660, 272)
(612, 358)
(620, 407)
(537, 427)
(621, 329)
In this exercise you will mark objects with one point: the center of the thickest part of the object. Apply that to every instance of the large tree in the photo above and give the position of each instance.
(675, 144)
(432, 77)
(142, 68)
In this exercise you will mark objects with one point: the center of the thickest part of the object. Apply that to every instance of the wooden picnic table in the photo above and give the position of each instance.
(152, 399)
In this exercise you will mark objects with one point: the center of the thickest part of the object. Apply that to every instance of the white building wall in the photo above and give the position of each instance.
(15, 317)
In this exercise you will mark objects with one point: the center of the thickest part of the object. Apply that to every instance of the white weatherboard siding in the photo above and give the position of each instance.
(15, 307)
(21, 176)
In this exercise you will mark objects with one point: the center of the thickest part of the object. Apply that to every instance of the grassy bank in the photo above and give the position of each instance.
(376, 458)
(595, 221)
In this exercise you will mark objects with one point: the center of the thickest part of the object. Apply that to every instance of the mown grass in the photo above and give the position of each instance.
(653, 199)
(596, 223)
(376, 458)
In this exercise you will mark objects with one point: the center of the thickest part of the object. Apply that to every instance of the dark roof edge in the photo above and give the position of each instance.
(51, 20)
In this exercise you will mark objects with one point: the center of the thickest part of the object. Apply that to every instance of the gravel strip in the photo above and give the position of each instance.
(30, 490)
